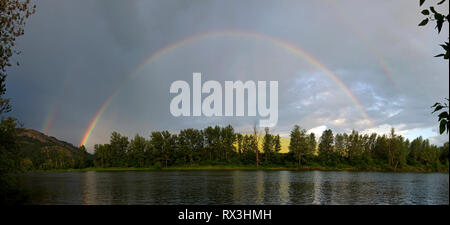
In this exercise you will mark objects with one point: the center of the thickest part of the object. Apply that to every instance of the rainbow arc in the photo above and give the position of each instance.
(232, 33)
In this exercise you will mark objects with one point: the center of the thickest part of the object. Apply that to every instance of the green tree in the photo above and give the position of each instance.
(228, 137)
(255, 144)
(13, 15)
(444, 154)
(136, 151)
(277, 144)
(381, 149)
(119, 145)
(312, 145)
(102, 155)
(239, 139)
(299, 143)
(326, 151)
(250, 148)
(247, 153)
(268, 145)
(164, 144)
(190, 144)
(81, 159)
(415, 150)
(340, 145)
(8, 146)
(370, 147)
(355, 148)
(212, 141)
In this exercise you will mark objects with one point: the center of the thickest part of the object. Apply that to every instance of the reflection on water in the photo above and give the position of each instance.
(283, 187)
(89, 188)
(259, 187)
(236, 187)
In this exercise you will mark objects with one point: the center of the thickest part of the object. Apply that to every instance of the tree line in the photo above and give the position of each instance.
(223, 146)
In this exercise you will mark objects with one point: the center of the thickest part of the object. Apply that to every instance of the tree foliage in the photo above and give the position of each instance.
(13, 15)
(220, 146)
(432, 14)
(443, 117)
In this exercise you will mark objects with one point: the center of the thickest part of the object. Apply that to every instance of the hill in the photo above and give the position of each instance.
(39, 151)
(33, 138)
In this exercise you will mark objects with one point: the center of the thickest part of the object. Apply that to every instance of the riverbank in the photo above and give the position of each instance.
(224, 167)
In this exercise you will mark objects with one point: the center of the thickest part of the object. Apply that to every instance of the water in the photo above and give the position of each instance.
(236, 187)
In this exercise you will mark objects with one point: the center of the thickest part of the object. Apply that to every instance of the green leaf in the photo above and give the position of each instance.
(439, 25)
(424, 22)
(437, 108)
(440, 55)
(443, 115)
(421, 2)
(441, 2)
(432, 9)
(439, 16)
(425, 12)
(442, 126)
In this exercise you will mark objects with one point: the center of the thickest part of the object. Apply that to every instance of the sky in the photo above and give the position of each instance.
(365, 65)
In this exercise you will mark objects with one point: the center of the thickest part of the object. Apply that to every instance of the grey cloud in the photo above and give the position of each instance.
(92, 45)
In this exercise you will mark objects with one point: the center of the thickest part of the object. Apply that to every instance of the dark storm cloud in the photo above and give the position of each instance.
(76, 53)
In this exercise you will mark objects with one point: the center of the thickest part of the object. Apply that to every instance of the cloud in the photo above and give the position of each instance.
(318, 130)
(386, 62)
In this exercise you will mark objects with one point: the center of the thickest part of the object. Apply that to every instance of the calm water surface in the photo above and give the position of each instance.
(236, 187)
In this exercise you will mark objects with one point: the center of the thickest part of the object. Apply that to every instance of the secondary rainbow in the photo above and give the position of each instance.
(366, 41)
(48, 122)
(235, 33)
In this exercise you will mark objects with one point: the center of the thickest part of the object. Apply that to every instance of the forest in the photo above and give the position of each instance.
(216, 146)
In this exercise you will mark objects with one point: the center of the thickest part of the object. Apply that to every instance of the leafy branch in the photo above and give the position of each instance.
(13, 15)
(443, 117)
(433, 15)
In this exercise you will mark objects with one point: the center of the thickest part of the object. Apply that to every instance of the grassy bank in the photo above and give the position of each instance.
(239, 167)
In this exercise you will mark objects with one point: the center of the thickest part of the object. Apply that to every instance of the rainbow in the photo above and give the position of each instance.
(363, 38)
(289, 47)
(95, 120)
(48, 122)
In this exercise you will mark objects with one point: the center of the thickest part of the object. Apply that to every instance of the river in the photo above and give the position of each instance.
(236, 187)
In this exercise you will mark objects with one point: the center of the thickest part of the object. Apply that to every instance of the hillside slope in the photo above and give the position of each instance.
(30, 137)
(39, 151)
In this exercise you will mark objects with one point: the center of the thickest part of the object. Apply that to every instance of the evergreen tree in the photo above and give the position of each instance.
(277, 144)
(326, 151)
(299, 144)
(239, 139)
(268, 145)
